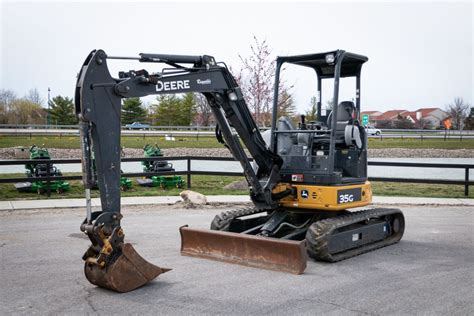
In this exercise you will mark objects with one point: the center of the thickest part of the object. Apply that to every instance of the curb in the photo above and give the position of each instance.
(212, 199)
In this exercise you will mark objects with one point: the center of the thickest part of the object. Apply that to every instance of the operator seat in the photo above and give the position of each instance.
(347, 129)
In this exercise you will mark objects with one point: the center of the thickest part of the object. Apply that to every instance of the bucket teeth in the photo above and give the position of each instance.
(126, 273)
(254, 251)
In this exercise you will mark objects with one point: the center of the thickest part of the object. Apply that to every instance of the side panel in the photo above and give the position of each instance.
(328, 198)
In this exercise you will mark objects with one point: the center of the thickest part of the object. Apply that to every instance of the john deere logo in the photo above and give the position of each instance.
(304, 194)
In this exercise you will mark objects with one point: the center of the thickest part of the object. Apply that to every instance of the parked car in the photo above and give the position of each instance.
(137, 125)
(372, 130)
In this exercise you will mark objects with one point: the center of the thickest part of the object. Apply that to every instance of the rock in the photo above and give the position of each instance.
(237, 185)
(193, 198)
(22, 153)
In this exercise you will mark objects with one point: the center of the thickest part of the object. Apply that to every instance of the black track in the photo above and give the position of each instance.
(223, 220)
(319, 233)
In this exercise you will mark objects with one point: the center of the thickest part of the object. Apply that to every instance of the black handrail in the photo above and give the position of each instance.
(189, 172)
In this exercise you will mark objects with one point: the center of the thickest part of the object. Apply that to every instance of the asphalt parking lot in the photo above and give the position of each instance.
(431, 271)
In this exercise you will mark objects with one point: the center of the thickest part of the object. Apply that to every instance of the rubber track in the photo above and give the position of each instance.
(319, 234)
(222, 221)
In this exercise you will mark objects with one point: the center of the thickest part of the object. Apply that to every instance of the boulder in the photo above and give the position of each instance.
(193, 198)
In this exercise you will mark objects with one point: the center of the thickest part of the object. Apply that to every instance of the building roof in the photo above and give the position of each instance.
(412, 115)
(426, 111)
(390, 115)
(373, 113)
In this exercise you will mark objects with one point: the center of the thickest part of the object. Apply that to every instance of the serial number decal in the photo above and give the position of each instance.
(349, 195)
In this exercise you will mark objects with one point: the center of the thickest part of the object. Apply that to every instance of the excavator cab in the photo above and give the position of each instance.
(328, 153)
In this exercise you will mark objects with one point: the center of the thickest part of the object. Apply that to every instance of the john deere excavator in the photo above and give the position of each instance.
(302, 182)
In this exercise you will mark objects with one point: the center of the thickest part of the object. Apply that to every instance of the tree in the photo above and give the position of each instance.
(469, 121)
(256, 80)
(329, 105)
(187, 109)
(203, 110)
(402, 123)
(423, 124)
(133, 111)
(312, 113)
(6, 98)
(286, 105)
(3, 114)
(34, 96)
(62, 111)
(384, 124)
(24, 111)
(458, 112)
(173, 110)
(256, 83)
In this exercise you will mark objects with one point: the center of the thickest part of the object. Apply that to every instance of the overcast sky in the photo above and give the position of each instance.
(420, 55)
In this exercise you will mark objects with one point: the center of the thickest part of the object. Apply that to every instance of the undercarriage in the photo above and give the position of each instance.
(329, 236)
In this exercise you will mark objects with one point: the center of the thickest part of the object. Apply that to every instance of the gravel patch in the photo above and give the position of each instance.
(57, 153)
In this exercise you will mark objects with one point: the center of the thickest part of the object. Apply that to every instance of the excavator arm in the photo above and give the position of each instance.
(110, 262)
(98, 105)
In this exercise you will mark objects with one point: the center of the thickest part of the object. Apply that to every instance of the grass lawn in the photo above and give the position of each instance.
(208, 185)
(420, 190)
(127, 142)
(214, 185)
(211, 142)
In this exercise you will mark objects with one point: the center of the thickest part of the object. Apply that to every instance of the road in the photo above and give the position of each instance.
(429, 272)
(427, 134)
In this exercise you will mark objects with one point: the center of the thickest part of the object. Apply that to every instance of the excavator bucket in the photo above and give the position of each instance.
(128, 272)
(254, 251)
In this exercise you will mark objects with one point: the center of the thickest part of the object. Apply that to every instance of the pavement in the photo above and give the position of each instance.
(430, 271)
(212, 199)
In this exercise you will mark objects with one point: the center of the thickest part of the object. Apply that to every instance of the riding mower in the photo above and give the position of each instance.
(41, 170)
(158, 166)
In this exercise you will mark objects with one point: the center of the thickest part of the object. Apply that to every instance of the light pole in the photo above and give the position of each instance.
(49, 104)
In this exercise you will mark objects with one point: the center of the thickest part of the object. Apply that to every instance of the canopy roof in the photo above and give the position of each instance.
(350, 66)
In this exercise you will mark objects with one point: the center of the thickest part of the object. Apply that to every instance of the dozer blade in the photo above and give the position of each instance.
(254, 251)
(128, 272)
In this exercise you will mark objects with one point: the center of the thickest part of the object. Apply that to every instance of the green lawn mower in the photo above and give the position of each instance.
(158, 166)
(41, 170)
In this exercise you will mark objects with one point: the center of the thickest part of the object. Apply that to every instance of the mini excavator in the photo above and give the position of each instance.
(302, 181)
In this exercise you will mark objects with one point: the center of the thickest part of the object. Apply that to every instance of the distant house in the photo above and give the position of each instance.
(433, 116)
(421, 118)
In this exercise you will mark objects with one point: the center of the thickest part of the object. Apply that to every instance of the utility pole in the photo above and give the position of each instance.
(49, 104)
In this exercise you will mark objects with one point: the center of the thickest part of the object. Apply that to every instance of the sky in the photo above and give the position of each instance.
(420, 54)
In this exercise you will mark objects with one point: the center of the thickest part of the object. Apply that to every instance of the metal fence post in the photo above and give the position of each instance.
(466, 185)
(189, 173)
(48, 178)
